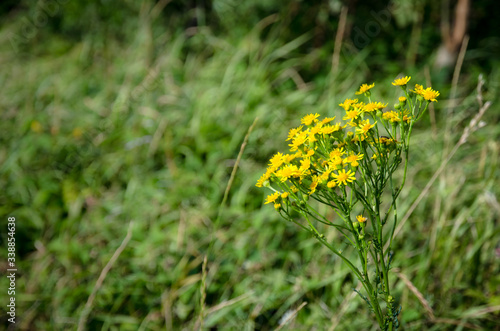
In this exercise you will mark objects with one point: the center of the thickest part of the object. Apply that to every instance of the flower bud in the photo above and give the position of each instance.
(402, 101)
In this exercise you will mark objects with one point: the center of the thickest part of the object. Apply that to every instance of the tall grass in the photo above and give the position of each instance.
(146, 129)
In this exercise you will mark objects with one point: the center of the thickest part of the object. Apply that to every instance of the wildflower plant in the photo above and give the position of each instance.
(348, 165)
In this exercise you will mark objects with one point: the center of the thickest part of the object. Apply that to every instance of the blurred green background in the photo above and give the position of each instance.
(120, 111)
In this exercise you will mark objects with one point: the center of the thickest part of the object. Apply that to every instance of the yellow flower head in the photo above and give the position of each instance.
(429, 94)
(364, 127)
(324, 176)
(344, 177)
(287, 172)
(336, 153)
(327, 129)
(276, 160)
(299, 140)
(313, 186)
(277, 206)
(262, 179)
(418, 89)
(401, 81)
(373, 106)
(331, 184)
(272, 198)
(364, 88)
(305, 165)
(313, 131)
(308, 119)
(391, 116)
(402, 99)
(284, 195)
(327, 120)
(287, 158)
(351, 115)
(293, 132)
(361, 219)
(353, 159)
(348, 103)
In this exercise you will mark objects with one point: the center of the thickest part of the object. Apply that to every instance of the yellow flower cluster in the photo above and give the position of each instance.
(317, 155)
(325, 156)
(428, 94)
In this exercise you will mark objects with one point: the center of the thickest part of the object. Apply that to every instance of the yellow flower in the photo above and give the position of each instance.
(364, 88)
(293, 132)
(402, 99)
(298, 141)
(406, 116)
(277, 206)
(359, 105)
(261, 180)
(353, 159)
(294, 189)
(272, 197)
(347, 103)
(276, 160)
(429, 94)
(401, 81)
(364, 127)
(314, 130)
(308, 119)
(337, 153)
(372, 106)
(391, 116)
(309, 153)
(344, 177)
(324, 176)
(335, 162)
(361, 219)
(264, 177)
(327, 120)
(313, 186)
(287, 172)
(351, 115)
(331, 184)
(418, 89)
(304, 165)
(284, 195)
(290, 157)
(328, 129)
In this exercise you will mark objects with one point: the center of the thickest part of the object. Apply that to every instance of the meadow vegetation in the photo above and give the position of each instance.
(132, 118)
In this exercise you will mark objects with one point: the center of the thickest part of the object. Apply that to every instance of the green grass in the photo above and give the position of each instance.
(162, 118)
